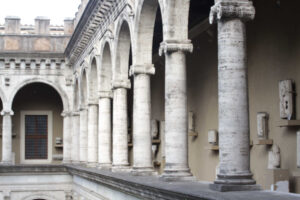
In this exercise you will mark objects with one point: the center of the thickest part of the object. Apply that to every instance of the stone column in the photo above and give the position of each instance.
(142, 139)
(7, 137)
(67, 137)
(75, 138)
(104, 124)
(92, 135)
(234, 168)
(83, 135)
(176, 130)
(120, 126)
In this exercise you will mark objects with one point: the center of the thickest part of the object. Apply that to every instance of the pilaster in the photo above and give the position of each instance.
(7, 137)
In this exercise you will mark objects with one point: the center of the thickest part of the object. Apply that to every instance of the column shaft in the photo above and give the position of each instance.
(83, 135)
(7, 138)
(104, 139)
(176, 144)
(234, 167)
(142, 140)
(120, 129)
(67, 138)
(93, 135)
(75, 138)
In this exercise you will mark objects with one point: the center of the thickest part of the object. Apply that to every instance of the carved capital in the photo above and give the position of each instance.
(170, 46)
(75, 113)
(66, 114)
(93, 101)
(105, 95)
(232, 9)
(121, 84)
(142, 69)
(7, 113)
(83, 108)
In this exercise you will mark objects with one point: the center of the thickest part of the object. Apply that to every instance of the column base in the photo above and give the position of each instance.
(91, 164)
(6, 163)
(177, 175)
(143, 171)
(120, 168)
(104, 166)
(232, 187)
(75, 163)
(66, 161)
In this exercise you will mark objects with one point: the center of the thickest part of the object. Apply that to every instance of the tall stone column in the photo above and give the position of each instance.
(234, 167)
(142, 139)
(7, 137)
(83, 135)
(92, 135)
(75, 137)
(67, 137)
(176, 130)
(120, 126)
(105, 130)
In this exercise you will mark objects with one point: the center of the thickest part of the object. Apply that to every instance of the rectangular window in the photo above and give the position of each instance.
(36, 137)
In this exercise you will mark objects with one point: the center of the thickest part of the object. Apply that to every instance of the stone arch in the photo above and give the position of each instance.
(83, 88)
(39, 196)
(144, 30)
(106, 68)
(93, 78)
(59, 90)
(76, 95)
(122, 50)
(3, 98)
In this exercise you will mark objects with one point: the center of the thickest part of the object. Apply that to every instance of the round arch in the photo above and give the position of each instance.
(106, 68)
(39, 196)
(144, 30)
(59, 90)
(93, 78)
(83, 86)
(122, 50)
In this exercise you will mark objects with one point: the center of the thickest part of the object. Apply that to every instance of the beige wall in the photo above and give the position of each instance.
(45, 100)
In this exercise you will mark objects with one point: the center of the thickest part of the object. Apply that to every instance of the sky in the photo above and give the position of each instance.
(28, 10)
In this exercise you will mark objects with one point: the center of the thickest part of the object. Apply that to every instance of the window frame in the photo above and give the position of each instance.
(49, 139)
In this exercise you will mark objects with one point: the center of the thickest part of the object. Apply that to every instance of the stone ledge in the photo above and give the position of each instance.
(147, 187)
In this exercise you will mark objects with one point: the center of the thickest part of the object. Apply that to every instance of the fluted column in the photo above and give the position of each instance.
(92, 135)
(75, 137)
(7, 137)
(142, 140)
(176, 131)
(105, 130)
(83, 135)
(67, 137)
(234, 167)
(120, 126)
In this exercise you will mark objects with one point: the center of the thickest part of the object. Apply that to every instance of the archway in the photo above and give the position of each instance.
(122, 119)
(37, 124)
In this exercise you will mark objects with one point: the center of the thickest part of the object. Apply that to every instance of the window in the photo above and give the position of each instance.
(36, 136)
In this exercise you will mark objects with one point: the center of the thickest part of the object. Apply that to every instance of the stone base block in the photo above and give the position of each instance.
(230, 188)
(91, 164)
(177, 176)
(122, 168)
(143, 172)
(105, 166)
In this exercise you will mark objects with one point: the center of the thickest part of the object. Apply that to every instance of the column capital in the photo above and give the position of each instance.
(75, 113)
(121, 84)
(142, 69)
(225, 9)
(66, 114)
(170, 46)
(83, 108)
(105, 94)
(7, 113)
(93, 102)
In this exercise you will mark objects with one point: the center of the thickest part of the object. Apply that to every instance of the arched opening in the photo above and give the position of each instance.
(37, 124)
(93, 80)
(83, 90)
(202, 88)
(121, 72)
(106, 69)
